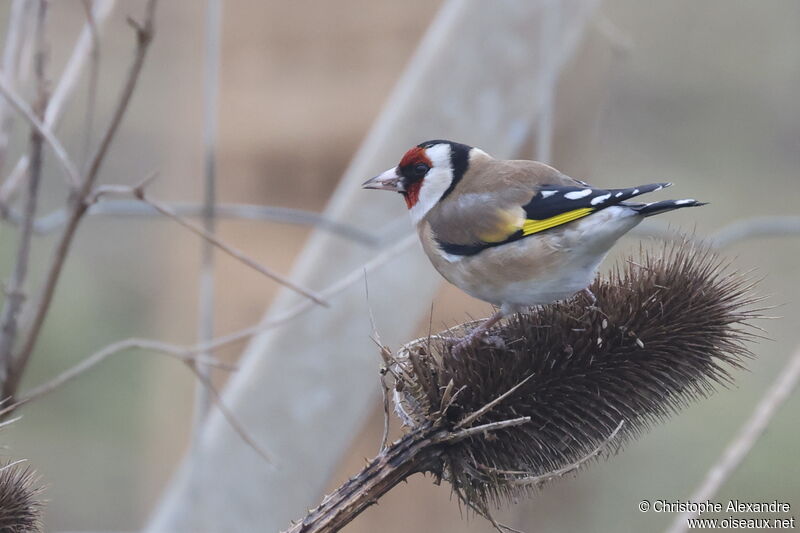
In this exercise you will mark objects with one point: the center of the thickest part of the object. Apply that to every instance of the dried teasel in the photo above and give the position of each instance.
(20, 506)
(558, 386)
(666, 328)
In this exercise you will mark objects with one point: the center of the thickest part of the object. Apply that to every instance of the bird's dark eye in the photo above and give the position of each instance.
(420, 169)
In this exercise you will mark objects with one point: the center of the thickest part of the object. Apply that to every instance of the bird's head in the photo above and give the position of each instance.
(426, 174)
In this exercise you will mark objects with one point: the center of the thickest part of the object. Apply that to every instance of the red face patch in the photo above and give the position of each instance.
(414, 156)
(413, 184)
(411, 194)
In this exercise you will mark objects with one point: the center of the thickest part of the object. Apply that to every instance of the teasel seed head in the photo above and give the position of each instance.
(20, 506)
(667, 328)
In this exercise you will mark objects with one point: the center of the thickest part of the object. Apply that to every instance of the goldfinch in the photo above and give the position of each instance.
(510, 232)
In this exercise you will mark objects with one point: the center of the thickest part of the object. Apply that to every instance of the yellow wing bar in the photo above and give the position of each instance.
(531, 226)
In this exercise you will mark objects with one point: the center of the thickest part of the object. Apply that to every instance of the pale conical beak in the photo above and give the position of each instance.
(388, 181)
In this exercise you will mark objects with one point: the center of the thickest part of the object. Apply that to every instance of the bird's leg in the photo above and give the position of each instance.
(592, 298)
(474, 336)
(592, 302)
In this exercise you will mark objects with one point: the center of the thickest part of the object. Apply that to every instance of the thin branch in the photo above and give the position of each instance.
(15, 32)
(62, 93)
(173, 350)
(144, 35)
(14, 290)
(301, 307)
(187, 353)
(132, 208)
(745, 439)
(754, 227)
(231, 418)
(230, 250)
(94, 76)
(60, 152)
(178, 352)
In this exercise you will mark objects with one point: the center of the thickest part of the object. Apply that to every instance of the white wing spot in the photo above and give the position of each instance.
(684, 202)
(547, 194)
(576, 195)
(635, 192)
(618, 195)
(600, 199)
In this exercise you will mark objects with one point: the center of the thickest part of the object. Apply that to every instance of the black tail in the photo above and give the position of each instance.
(656, 208)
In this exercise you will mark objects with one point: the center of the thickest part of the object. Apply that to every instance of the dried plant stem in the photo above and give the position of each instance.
(230, 250)
(18, 103)
(187, 353)
(176, 351)
(230, 417)
(270, 213)
(172, 350)
(418, 451)
(743, 442)
(138, 192)
(11, 51)
(14, 289)
(144, 35)
(66, 85)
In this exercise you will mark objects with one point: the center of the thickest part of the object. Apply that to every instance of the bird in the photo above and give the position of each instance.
(513, 233)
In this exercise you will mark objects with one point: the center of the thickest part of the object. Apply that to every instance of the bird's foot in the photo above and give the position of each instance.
(474, 337)
(471, 339)
(592, 307)
(477, 334)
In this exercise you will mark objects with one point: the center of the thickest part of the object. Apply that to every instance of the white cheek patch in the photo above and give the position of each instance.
(436, 182)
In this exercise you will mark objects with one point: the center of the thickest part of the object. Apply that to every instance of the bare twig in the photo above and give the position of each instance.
(189, 353)
(230, 250)
(94, 72)
(301, 307)
(63, 91)
(754, 227)
(745, 439)
(144, 35)
(9, 422)
(179, 352)
(132, 208)
(15, 32)
(19, 104)
(14, 289)
(231, 418)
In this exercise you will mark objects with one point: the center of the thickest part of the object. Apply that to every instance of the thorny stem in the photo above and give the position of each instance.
(144, 35)
(418, 451)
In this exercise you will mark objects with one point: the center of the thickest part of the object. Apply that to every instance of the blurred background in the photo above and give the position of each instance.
(703, 94)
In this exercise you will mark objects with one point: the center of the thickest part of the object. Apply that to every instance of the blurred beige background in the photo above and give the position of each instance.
(700, 93)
